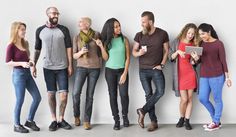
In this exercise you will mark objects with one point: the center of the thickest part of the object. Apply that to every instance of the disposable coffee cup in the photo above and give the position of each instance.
(144, 47)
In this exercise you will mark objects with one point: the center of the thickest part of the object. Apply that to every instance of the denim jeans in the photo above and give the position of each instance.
(146, 78)
(214, 85)
(80, 77)
(112, 77)
(56, 80)
(22, 80)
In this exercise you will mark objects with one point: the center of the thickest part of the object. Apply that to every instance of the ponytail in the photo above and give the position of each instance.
(208, 28)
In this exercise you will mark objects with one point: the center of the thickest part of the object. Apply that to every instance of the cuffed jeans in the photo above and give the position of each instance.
(80, 77)
(113, 77)
(214, 85)
(146, 78)
(22, 80)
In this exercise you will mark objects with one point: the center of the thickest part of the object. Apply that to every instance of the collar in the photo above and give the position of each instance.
(49, 25)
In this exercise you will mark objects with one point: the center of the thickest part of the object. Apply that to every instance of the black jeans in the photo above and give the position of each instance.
(146, 78)
(80, 77)
(113, 78)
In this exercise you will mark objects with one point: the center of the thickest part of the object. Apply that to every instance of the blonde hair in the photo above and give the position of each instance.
(184, 32)
(15, 26)
(87, 20)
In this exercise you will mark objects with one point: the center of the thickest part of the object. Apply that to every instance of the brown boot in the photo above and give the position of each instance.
(77, 121)
(153, 126)
(87, 126)
(141, 116)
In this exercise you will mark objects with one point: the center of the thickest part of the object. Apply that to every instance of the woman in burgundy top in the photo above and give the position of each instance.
(184, 76)
(213, 74)
(17, 56)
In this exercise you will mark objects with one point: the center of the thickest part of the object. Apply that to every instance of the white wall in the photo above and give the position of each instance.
(169, 14)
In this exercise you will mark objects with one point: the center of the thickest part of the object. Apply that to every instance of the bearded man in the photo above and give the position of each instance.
(151, 46)
(57, 67)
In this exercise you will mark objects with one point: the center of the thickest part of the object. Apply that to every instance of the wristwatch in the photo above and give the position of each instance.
(162, 66)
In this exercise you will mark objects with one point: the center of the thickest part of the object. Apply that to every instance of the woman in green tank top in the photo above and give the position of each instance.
(116, 71)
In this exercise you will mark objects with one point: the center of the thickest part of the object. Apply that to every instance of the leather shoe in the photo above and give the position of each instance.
(77, 121)
(140, 117)
(153, 126)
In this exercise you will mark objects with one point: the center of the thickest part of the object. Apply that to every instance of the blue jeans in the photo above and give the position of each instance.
(146, 78)
(113, 77)
(214, 85)
(22, 80)
(80, 77)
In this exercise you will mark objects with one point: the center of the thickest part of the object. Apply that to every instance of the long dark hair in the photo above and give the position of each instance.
(208, 28)
(107, 33)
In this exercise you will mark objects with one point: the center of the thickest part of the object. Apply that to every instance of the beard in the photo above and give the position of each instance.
(53, 20)
(146, 29)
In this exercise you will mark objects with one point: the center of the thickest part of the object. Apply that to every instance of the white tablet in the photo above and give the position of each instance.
(190, 49)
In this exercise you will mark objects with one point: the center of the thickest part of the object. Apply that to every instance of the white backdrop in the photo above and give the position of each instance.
(170, 15)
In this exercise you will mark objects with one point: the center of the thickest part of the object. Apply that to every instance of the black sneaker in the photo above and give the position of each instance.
(53, 126)
(20, 129)
(180, 122)
(63, 124)
(125, 121)
(32, 125)
(117, 125)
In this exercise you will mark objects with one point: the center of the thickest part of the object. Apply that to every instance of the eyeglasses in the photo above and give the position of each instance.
(54, 13)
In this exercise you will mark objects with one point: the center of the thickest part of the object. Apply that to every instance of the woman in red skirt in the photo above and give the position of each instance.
(184, 76)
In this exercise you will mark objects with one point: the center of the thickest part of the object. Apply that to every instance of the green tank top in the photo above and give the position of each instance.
(117, 54)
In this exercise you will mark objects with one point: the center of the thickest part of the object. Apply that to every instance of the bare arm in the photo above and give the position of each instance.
(80, 53)
(136, 51)
(36, 57)
(165, 56)
(20, 63)
(127, 61)
(103, 49)
(104, 53)
(174, 52)
(228, 80)
(174, 55)
(165, 51)
(70, 63)
(123, 77)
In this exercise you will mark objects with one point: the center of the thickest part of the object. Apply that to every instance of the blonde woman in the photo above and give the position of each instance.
(88, 51)
(17, 56)
(184, 76)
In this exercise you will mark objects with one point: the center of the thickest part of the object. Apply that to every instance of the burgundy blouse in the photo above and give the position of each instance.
(213, 60)
(15, 54)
